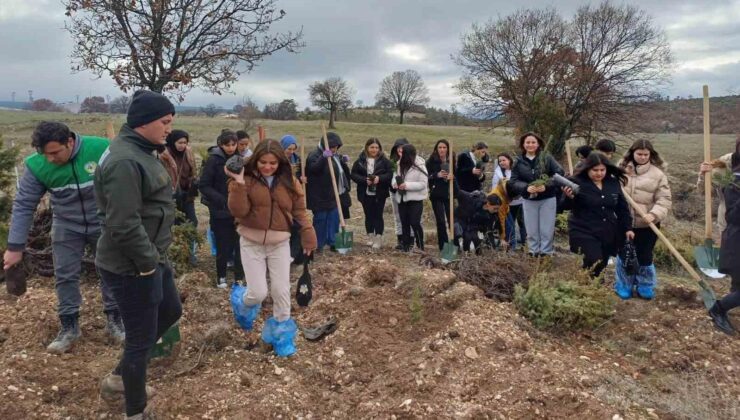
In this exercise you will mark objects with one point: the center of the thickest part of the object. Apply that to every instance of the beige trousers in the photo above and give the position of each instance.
(257, 259)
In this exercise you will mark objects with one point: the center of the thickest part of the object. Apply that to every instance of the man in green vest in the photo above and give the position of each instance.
(64, 166)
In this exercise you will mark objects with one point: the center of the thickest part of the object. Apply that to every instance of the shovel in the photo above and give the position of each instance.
(707, 255)
(109, 131)
(449, 249)
(344, 239)
(165, 345)
(569, 157)
(707, 294)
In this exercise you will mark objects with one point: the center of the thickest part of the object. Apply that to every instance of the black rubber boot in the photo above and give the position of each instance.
(721, 321)
(399, 246)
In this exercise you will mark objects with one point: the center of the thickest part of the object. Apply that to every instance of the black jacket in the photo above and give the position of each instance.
(598, 214)
(729, 254)
(439, 188)
(466, 180)
(319, 190)
(212, 184)
(526, 171)
(383, 169)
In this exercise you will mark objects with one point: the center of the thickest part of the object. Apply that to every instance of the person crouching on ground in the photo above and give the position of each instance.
(265, 199)
(485, 214)
(372, 172)
(600, 218)
(729, 254)
(134, 196)
(215, 194)
(411, 181)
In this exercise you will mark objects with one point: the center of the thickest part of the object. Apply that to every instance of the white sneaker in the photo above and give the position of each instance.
(377, 241)
(221, 284)
(370, 239)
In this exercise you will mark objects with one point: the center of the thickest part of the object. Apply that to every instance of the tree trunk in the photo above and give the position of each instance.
(400, 121)
(332, 118)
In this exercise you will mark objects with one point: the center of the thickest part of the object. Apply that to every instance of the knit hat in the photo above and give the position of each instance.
(148, 106)
(287, 140)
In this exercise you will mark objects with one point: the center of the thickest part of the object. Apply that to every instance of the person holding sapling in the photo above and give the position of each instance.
(411, 181)
(470, 164)
(647, 185)
(438, 168)
(214, 195)
(372, 172)
(265, 198)
(729, 254)
(529, 177)
(396, 152)
(600, 219)
(320, 191)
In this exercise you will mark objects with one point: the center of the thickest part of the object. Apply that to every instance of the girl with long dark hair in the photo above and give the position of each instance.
(438, 168)
(266, 198)
(215, 195)
(600, 219)
(412, 184)
(647, 185)
(372, 172)
(515, 218)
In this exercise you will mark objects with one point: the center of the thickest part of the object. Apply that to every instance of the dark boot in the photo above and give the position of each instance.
(68, 334)
(114, 327)
(721, 321)
(399, 246)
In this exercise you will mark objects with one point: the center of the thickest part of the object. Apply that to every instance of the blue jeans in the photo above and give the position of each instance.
(326, 225)
(149, 306)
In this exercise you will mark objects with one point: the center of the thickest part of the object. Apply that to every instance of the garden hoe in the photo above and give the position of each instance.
(449, 249)
(343, 243)
(707, 255)
(706, 292)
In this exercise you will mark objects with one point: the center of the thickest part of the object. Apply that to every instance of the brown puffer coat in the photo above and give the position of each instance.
(650, 190)
(266, 214)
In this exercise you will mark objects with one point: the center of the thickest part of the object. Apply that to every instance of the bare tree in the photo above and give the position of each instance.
(120, 104)
(93, 104)
(332, 94)
(248, 111)
(174, 45)
(403, 90)
(211, 110)
(564, 78)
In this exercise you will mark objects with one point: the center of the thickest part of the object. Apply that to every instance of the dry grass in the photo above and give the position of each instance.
(496, 273)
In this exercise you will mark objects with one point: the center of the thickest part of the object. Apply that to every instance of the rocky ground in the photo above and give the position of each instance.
(412, 342)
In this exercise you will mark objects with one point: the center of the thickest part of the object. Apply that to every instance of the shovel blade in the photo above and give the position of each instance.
(449, 252)
(707, 295)
(163, 347)
(344, 241)
(707, 259)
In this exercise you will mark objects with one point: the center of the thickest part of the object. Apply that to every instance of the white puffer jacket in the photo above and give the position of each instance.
(416, 180)
(648, 186)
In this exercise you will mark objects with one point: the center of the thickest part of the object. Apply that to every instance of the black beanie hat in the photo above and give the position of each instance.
(148, 106)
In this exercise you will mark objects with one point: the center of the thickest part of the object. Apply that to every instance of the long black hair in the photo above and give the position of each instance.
(371, 141)
(596, 159)
(435, 154)
(408, 160)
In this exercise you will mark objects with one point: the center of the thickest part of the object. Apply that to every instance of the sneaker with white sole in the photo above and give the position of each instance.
(111, 390)
(377, 242)
(221, 283)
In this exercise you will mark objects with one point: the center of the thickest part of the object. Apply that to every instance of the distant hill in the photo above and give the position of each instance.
(686, 116)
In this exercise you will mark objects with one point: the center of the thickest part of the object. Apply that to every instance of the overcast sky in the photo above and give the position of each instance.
(363, 41)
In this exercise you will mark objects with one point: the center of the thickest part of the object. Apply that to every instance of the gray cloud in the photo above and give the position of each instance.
(351, 38)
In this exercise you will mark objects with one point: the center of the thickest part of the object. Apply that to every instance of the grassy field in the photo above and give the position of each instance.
(680, 150)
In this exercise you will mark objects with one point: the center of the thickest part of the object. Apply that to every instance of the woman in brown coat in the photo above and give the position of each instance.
(647, 185)
(266, 199)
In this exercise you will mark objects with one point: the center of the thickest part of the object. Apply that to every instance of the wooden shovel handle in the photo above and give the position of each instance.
(333, 178)
(665, 240)
(569, 157)
(109, 131)
(450, 157)
(708, 175)
(303, 168)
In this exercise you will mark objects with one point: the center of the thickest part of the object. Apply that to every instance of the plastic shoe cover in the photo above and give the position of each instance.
(281, 335)
(243, 314)
(623, 283)
(211, 241)
(647, 279)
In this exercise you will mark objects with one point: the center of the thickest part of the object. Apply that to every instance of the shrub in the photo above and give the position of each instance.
(183, 237)
(662, 257)
(564, 301)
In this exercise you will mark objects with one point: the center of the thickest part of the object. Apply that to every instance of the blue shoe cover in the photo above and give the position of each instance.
(281, 335)
(243, 314)
(647, 279)
(212, 241)
(623, 283)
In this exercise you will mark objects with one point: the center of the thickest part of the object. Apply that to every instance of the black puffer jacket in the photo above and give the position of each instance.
(383, 169)
(466, 179)
(319, 189)
(439, 188)
(729, 254)
(598, 214)
(212, 185)
(526, 171)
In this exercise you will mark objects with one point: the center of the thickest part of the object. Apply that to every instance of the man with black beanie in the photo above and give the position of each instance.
(135, 206)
